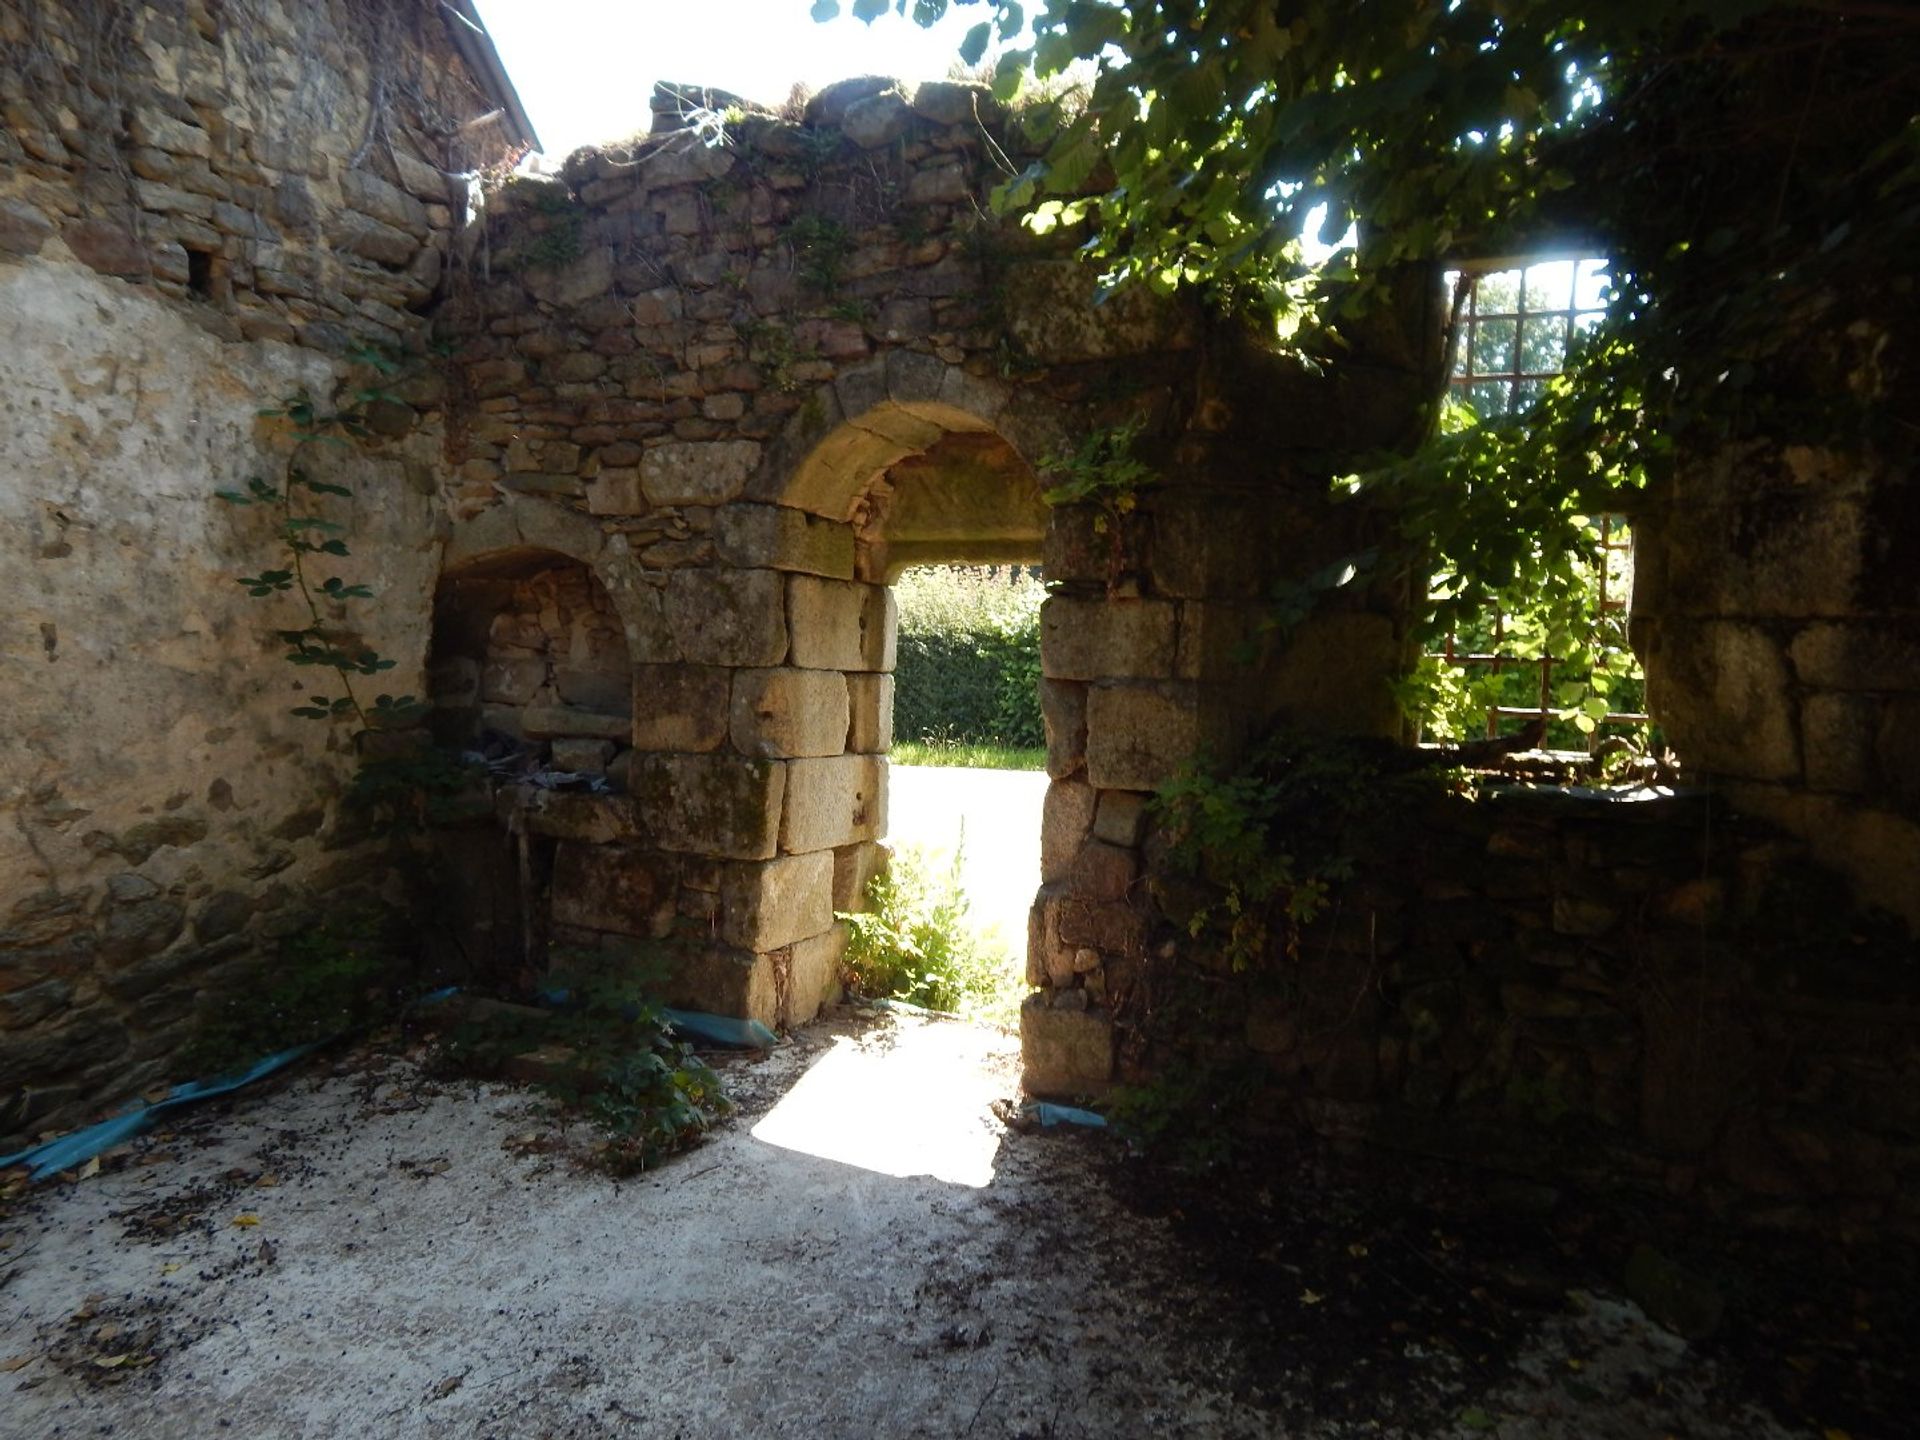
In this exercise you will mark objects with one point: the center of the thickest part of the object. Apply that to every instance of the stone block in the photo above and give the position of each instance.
(833, 802)
(554, 722)
(854, 867)
(1837, 734)
(1121, 817)
(159, 131)
(877, 120)
(767, 904)
(570, 815)
(369, 239)
(1139, 735)
(813, 974)
(680, 707)
(582, 757)
(777, 538)
(726, 806)
(1724, 696)
(607, 689)
(1106, 639)
(785, 713)
(1335, 675)
(1220, 545)
(1897, 756)
(1834, 656)
(1219, 641)
(1066, 819)
(389, 204)
(23, 230)
(840, 625)
(870, 714)
(729, 617)
(1063, 711)
(704, 472)
(616, 491)
(954, 102)
(1102, 872)
(612, 888)
(574, 283)
(108, 248)
(1064, 1053)
(511, 682)
(723, 980)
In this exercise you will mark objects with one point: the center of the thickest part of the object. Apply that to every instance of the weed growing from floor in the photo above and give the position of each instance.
(609, 1055)
(918, 941)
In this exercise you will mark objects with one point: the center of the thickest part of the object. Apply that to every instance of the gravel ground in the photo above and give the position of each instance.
(865, 1249)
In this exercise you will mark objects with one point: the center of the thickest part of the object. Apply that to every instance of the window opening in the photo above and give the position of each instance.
(1513, 328)
(200, 274)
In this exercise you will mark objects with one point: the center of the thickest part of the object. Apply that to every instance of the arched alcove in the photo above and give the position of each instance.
(530, 680)
(530, 654)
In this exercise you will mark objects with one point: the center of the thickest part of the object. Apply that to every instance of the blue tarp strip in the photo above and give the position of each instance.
(723, 1029)
(720, 1029)
(81, 1146)
(1049, 1115)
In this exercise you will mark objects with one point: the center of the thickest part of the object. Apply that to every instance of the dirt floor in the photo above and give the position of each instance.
(865, 1249)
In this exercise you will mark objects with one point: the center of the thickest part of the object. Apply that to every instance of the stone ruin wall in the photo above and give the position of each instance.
(197, 217)
(675, 376)
(1777, 607)
(723, 374)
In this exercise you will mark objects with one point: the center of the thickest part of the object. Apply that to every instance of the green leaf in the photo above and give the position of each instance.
(975, 44)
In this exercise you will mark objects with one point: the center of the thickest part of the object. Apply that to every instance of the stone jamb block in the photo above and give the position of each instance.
(840, 624)
(788, 713)
(1063, 711)
(870, 714)
(854, 867)
(1107, 639)
(833, 802)
(767, 904)
(1066, 819)
(1064, 1053)
(1138, 735)
(813, 974)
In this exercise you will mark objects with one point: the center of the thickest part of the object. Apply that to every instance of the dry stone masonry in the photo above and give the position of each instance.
(706, 392)
(202, 208)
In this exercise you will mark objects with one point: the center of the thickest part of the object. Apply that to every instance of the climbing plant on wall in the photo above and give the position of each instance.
(306, 543)
(1751, 168)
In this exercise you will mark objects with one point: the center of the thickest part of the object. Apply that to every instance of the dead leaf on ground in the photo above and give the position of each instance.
(247, 1221)
(447, 1386)
(17, 1362)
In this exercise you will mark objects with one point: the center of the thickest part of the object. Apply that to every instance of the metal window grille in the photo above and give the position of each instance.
(1513, 327)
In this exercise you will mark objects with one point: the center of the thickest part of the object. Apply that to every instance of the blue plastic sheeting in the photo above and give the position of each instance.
(82, 1145)
(1049, 1115)
(718, 1029)
(723, 1029)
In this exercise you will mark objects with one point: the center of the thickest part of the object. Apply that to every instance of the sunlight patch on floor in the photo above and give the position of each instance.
(912, 1101)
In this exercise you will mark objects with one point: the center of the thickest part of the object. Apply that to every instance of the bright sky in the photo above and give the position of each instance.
(585, 68)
